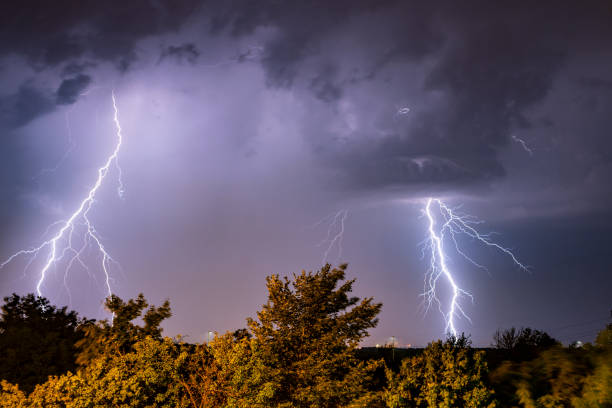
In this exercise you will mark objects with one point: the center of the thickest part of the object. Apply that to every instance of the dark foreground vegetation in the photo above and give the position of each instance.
(302, 350)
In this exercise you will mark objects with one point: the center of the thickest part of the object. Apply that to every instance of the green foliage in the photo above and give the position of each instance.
(597, 386)
(447, 374)
(552, 379)
(36, 340)
(559, 377)
(126, 365)
(300, 352)
(228, 372)
(306, 336)
(202, 379)
(121, 334)
(242, 370)
(144, 377)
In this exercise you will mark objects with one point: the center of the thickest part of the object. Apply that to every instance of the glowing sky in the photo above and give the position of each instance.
(247, 122)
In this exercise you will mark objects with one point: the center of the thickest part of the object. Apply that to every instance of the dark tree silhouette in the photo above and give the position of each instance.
(522, 344)
(36, 340)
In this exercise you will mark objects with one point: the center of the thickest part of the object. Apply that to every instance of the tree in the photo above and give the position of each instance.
(229, 372)
(146, 376)
(121, 334)
(447, 374)
(202, 379)
(124, 365)
(559, 377)
(306, 336)
(36, 340)
(597, 386)
(301, 351)
(522, 344)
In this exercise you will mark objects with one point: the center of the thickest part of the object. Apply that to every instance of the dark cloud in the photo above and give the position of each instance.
(594, 83)
(64, 32)
(31, 101)
(185, 52)
(488, 66)
(70, 89)
(24, 105)
(485, 66)
(324, 85)
(75, 68)
(54, 33)
(301, 26)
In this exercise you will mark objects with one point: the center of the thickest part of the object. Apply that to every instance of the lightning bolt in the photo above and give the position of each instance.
(523, 144)
(445, 225)
(62, 245)
(335, 233)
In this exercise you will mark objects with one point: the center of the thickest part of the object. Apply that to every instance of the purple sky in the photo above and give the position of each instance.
(247, 122)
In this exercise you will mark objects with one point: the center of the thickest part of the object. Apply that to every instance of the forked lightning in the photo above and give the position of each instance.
(445, 225)
(61, 246)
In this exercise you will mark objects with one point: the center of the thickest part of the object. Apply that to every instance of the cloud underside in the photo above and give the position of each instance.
(469, 74)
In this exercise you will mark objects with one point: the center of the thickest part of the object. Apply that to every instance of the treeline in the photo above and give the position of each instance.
(302, 350)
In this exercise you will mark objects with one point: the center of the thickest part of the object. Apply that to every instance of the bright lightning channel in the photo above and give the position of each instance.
(445, 225)
(61, 244)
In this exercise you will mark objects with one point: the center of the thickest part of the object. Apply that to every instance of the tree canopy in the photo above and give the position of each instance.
(36, 340)
(446, 375)
(306, 335)
(119, 335)
(301, 350)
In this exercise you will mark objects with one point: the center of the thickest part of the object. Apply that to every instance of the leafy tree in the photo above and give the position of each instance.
(306, 336)
(597, 386)
(559, 377)
(552, 379)
(122, 333)
(523, 344)
(447, 374)
(127, 365)
(229, 372)
(201, 378)
(300, 351)
(146, 376)
(36, 340)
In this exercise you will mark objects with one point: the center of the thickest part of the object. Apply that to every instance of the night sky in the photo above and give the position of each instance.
(245, 123)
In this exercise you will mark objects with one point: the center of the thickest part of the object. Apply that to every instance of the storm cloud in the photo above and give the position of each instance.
(70, 89)
(245, 122)
(471, 73)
